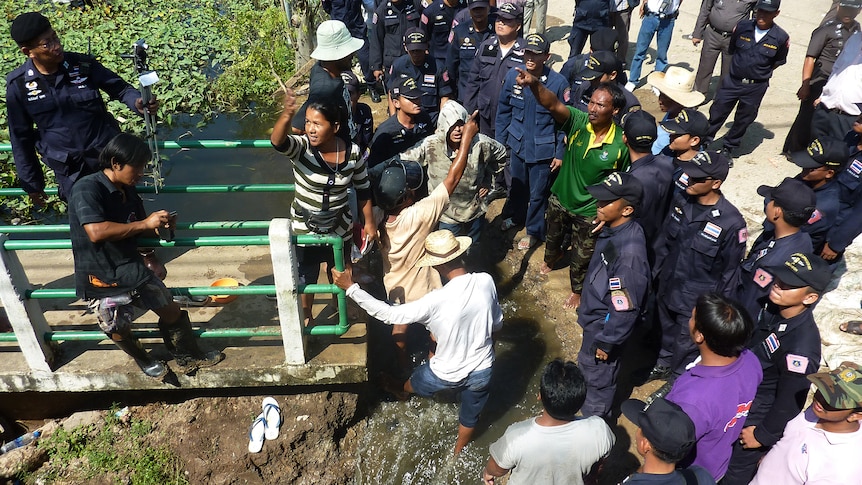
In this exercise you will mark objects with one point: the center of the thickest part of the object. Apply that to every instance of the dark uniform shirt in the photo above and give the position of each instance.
(364, 120)
(824, 216)
(436, 21)
(756, 60)
(392, 138)
(698, 251)
(721, 15)
(430, 78)
(107, 268)
(525, 126)
(388, 25)
(591, 14)
(71, 121)
(616, 283)
(349, 12)
(486, 77)
(463, 43)
(788, 350)
(654, 172)
(755, 279)
(825, 45)
(848, 224)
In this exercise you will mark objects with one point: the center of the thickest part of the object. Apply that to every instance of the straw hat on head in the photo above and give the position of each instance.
(334, 42)
(678, 84)
(442, 246)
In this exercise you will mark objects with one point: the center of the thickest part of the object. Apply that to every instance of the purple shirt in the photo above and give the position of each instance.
(717, 399)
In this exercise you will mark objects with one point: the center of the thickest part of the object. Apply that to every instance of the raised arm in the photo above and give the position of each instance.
(282, 128)
(545, 97)
(456, 170)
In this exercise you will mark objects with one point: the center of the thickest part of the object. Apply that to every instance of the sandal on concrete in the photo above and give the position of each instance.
(256, 434)
(853, 327)
(271, 418)
(527, 242)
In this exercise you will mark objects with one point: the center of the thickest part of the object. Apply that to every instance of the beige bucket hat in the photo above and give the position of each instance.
(334, 42)
(678, 84)
(442, 246)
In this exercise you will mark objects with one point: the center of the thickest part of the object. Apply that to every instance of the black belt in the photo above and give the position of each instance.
(720, 32)
(663, 15)
(745, 80)
(836, 110)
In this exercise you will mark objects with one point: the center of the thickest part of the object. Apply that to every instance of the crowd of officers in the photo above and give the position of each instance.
(636, 204)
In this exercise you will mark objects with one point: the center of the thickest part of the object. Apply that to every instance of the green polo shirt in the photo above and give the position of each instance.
(587, 162)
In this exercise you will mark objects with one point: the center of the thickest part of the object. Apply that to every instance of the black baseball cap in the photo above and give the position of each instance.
(618, 185)
(822, 152)
(688, 121)
(536, 43)
(663, 423)
(406, 86)
(391, 180)
(768, 5)
(850, 3)
(804, 269)
(415, 40)
(640, 129)
(509, 11)
(599, 63)
(28, 26)
(791, 194)
(604, 39)
(478, 3)
(708, 164)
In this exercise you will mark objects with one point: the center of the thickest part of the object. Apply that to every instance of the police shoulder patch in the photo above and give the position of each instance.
(797, 363)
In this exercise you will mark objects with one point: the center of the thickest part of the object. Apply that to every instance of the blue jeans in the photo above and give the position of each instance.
(662, 29)
(473, 229)
(473, 389)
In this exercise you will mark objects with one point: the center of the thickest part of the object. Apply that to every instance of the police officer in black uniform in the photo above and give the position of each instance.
(436, 21)
(826, 43)
(787, 343)
(590, 15)
(58, 92)
(848, 223)
(408, 126)
(388, 26)
(715, 24)
(698, 251)
(464, 40)
(422, 68)
(753, 61)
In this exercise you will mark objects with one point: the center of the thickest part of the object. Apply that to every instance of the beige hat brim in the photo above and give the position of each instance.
(432, 260)
(689, 99)
(336, 53)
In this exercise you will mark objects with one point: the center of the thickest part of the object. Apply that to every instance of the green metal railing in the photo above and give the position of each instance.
(337, 248)
(179, 144)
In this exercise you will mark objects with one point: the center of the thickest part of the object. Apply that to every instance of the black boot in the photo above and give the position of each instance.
(133, 347)
(372, 92)
(183, 345)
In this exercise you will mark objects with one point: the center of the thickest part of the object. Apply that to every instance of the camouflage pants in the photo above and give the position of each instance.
(560, 221)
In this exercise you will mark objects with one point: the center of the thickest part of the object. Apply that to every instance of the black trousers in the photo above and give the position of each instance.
(799, 135)
(827, 123)
(746, 98)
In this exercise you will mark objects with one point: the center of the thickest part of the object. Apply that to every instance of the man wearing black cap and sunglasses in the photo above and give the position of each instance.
(59, 93)
(698, 251)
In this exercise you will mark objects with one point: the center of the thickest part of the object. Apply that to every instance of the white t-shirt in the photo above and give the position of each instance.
(462, 316)
(552, 455)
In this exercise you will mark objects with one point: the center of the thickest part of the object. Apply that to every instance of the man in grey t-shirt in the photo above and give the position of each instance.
(555, 447)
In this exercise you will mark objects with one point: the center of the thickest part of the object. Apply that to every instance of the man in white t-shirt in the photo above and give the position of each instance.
(556, 447)
(461, 317)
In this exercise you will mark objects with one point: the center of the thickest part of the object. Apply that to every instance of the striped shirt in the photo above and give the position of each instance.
(312, 176)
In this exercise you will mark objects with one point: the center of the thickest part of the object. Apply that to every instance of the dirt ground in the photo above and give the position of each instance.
(318, 441)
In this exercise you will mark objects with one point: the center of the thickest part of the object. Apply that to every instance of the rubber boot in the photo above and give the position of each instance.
(183, 345)
(133, 347)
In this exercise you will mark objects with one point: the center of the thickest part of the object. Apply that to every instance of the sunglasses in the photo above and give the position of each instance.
(699, 180)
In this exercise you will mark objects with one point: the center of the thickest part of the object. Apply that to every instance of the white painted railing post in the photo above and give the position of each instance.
(24, 315)
(285, 268)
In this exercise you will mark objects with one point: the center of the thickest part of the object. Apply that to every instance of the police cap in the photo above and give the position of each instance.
(28, 26)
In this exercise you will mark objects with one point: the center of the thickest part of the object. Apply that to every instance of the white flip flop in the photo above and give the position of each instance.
(256, 434)
(271, 418)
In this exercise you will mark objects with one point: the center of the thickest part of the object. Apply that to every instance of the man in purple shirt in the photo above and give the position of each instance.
(718, 390)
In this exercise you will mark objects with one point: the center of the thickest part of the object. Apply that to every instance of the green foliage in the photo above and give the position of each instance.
(112, 449)
(209, 56)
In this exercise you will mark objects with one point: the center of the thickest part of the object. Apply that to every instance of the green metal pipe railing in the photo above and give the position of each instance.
(191, 143)
(181, 189)
(208, 241)
(180, 226)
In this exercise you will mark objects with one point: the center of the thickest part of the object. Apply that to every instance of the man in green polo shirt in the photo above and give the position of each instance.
(594, 149)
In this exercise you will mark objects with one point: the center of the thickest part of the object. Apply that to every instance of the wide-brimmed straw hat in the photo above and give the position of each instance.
(677, 83)
(442, 246)
(334, 42)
